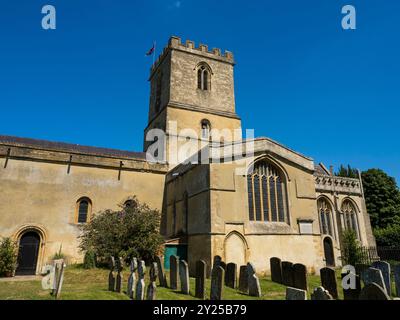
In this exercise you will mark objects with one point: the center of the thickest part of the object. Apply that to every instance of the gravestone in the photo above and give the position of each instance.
(372, 291)
(243, 279)
(111, 275)
(161, 275)
(152, 287)
(59, 277)
(276, 269)
(118, 282)
(223, 265)
(328, 281)
(385, 269)
(216, 261)
(140, 283)
(200, 291)
(352, 294)
(397, 279)
(217, 283)
(231, 275)
(295, 294)
(360, 267)
(300, 276)
(184, 276)
(321, 294)
(173, 272)
(132, 279)
(253, 281)
(287, 274)
(48, 273)
(372, 275)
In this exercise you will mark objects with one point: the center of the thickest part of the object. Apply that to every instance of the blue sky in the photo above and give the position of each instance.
(300, 78)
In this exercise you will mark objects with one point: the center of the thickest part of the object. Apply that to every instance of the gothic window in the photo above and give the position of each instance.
(158, 92)
(84, 206)
(325, 216)
(267, 193)
(205, 129)
(203, 77)
(349, 216)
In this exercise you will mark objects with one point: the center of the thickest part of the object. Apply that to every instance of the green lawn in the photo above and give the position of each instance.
(80, 284)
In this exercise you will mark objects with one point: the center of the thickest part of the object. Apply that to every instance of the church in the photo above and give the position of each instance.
(244, 199)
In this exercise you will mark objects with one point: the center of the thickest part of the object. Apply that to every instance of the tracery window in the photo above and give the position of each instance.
(203, 77)
(267, 193)
(349, 216)
(325, 216)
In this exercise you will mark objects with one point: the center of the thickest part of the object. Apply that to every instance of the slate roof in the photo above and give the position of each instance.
(68, 147)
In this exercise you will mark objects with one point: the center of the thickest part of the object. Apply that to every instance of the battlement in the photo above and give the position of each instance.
(175, 43)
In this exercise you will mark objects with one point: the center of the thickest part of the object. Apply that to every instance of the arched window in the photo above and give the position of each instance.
(349, 216)
(84, 207)
(205, 129)
(325, 216)
(203, 77)
(267, 193)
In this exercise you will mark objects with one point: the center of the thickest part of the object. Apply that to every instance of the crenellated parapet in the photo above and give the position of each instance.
(175, 43)
(327, 183)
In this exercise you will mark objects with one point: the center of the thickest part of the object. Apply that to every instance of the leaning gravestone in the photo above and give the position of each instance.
(231, 275)
(184, 276)
(397, 279)
(287, 274)
(243, 279)
(152, 288)
(328, 281)
(200, 291)
(373, 292)
(111, 276)
(300, 276)
(385, 269)
(321, 294)
(173, 272)
(351, 293)
(253, 281)
(48, 273)
(140, 284)
(276, 269)
(118, 283)
(372, 275)
(295, 294)
(132, 278)
(59, 278)
(161, 275)
(217, 283)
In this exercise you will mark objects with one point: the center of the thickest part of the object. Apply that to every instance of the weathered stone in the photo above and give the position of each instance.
(300, 276)
(140, 283)
(328, 281)
(372, 291)
(276, 269)
(287, 274)
(217, 283)
(184, 276)
(385, 269)
(253, 281)
(111, 275)
(200, 290)
(352, 294)
(372, 275)
(118, 282)
(173, 272)
(161, 275)
(48, 273)
(295, 294)
(152, 287)
(231, 275)
(397, 279)
(321, 294)
(216, 261)
(59, 278)
(132, 279)
(243, 279)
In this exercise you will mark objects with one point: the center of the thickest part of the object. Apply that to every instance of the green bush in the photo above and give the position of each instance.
(352, 251)
(133, 231)
(59, 255)
(389, 236)
(8, 257)
(89, 261)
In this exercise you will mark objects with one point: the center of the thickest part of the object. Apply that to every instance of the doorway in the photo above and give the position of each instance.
(28, 253)
(328, 251)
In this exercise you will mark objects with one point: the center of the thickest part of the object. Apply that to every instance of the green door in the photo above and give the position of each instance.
(174, 250)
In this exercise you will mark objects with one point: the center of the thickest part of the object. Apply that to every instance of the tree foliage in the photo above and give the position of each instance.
(352, 251)
(347, 172)
(132, 231)
(8, 257)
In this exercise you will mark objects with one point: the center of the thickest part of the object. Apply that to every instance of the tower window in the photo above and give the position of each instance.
(203, 77)
(84, 206)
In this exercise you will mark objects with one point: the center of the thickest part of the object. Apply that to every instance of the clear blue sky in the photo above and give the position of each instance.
(300, 79)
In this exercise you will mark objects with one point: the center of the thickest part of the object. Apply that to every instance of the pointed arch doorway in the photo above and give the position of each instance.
(328, 252)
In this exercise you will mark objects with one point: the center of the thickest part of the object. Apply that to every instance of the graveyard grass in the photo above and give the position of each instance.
(81, 284)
